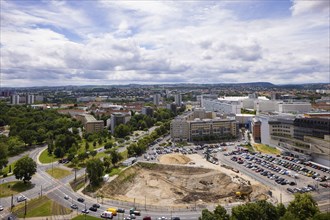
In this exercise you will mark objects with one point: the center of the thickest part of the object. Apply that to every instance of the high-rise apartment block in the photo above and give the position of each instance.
(156, 99)
(178, 99)
(29, 99)
(15, 99)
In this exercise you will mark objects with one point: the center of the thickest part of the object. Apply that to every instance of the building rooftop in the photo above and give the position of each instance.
(90, 118)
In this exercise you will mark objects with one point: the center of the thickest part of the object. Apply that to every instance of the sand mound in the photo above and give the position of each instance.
(174, 159)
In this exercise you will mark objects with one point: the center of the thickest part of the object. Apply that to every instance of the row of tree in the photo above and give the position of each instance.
(303, 207)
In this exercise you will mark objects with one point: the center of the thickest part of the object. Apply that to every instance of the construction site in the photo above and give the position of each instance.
(179, 180)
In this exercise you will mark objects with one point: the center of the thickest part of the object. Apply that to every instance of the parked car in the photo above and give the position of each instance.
(290, 190)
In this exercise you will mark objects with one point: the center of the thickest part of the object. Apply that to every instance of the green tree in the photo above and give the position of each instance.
(303, 206)
(107, 162)
(122, 130)
(25, 168)
(207, 215)
(289, 216)
(220, 213)
(108, 145)
(93, 153)
(115, 157)
(3, 155)
(28, 136)
(280, 209)
(15, 145)
(95, 169)
(322, 216)
(249, 211)
(268, 210)
(86, 146)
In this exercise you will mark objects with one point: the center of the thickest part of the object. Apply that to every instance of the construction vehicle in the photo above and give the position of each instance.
(244, 193)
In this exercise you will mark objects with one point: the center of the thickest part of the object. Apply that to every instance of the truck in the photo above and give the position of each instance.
(112, 210)
(107, 215)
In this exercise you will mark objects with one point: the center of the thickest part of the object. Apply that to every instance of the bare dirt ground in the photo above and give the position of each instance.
(170, 184)
(174, 159)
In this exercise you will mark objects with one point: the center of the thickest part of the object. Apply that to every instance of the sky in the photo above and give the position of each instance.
(104, 42)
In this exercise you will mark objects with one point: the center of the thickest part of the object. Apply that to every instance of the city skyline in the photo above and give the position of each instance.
(53, 43)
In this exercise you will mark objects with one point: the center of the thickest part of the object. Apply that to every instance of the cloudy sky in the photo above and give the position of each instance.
(85, 42)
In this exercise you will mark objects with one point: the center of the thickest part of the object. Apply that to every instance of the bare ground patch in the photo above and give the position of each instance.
(170, 185)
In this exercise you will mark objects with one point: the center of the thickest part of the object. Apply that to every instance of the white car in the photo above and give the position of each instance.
(1, 208)
(21, 198)
(66, 197)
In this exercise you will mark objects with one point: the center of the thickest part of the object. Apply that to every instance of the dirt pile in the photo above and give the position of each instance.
(174, 159)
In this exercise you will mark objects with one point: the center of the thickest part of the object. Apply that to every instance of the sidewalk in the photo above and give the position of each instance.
(55, 217)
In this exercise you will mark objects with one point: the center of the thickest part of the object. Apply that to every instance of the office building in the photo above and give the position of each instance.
(91, 125)
(200, 125)
(256, 130)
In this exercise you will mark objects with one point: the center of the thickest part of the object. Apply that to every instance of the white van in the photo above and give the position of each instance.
(107, 215)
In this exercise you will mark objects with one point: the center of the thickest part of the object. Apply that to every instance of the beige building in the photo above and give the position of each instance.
(91, 125)
(201, 125)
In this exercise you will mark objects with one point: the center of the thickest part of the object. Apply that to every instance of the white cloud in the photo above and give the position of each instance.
(311, 6)
(158, 41)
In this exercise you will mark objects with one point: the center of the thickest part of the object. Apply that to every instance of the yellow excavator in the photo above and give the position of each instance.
(244, 193)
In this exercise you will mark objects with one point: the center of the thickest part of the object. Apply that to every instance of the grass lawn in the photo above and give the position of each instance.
(6, 169)
(266, 149)
(41, 207)
(8, 188)
(82, 217)
(124, 154)
(249, 147)
(115, 171)
(91, 147)
(46, 158)
(58, 173)
(79, 183)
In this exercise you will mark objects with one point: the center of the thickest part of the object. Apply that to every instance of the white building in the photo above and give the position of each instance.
(156, 99)
(29, 99)
(178, 99)
(15, 99)
(222, 106)
(294, 107)
(265, 105)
